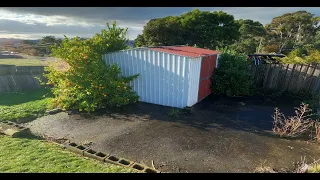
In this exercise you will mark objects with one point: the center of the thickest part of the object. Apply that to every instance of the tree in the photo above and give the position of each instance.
(50, 40)
(233, 77)
(271, 48)
(301, 56)
(110, 39)
(209, 29)
(251, 35)
(43, 47)
(316, 40)
(85, 82)
(292, 30)
(161, 32)
(139, 41)
(205, 29)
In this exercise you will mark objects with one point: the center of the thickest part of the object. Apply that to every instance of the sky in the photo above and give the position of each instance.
(36, 22)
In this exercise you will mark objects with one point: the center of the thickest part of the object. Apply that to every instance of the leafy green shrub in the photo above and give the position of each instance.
(82, 80)
(233, 76)
(301, 56)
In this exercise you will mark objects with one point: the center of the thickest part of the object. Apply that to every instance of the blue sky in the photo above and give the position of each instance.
(36, 22)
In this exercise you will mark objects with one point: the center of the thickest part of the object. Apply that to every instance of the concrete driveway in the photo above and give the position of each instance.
(219, 136)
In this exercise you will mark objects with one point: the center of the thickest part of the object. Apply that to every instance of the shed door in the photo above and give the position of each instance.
(208, 65)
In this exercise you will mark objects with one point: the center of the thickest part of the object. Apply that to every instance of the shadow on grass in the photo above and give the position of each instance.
(29, 136)
(15, 98)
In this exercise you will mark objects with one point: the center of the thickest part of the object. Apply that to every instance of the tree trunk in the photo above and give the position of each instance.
(281, 47)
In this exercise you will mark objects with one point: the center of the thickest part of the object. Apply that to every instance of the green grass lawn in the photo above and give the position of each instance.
(26, 155)
(32, 155)
(23, 106)
(8, 99)
(24, 62)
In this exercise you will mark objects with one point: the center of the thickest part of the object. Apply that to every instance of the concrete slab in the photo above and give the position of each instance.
(217, 137)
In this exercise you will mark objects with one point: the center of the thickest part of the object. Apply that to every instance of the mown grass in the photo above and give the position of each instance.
(33, 155)
(37, 156)
(8, 99)
(24, 106)
(23, 62)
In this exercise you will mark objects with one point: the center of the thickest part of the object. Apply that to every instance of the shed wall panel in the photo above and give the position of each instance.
(208, 65)
(164, 78)
(193, 78)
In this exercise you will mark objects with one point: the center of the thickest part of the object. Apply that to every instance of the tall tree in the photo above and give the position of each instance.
(209, 29)
(317, 40)
(251, 35)
(204, 29)
(292, 29)
(162, 31)
(139, 41)
(45, 43)
(50, 40)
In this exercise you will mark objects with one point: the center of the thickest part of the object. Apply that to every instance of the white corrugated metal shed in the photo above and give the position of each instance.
(166, 78)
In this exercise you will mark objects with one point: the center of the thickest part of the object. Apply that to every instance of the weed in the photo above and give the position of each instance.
(186, 110)
(295, 125)
(174, 112)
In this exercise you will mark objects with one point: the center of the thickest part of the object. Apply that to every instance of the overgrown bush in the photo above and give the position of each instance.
(295, 125)
(233, 76)
(84, 81)
(301, 56)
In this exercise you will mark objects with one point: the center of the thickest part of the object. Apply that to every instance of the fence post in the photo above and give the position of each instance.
(16, 78)
(266, 76)
(293, 68)
(311, 76)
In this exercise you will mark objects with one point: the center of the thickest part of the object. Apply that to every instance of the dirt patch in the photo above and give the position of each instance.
(218, 136)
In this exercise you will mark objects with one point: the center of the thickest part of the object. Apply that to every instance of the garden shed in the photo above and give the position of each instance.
(175, 76)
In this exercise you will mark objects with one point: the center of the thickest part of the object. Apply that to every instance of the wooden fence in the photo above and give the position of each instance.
(291, 77)
(20, 78)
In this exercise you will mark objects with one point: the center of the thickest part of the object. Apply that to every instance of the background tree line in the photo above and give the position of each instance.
(297, 30)
(294, 34)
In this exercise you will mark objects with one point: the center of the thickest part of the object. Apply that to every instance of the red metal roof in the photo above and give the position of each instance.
(185, 50)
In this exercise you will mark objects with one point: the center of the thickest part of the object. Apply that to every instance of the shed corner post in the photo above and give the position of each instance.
(217, 60)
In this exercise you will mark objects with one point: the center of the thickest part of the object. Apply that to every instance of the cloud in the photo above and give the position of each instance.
(101, 14)
(33, 26)
(34, 19)
(265, 14)
(35, 22)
